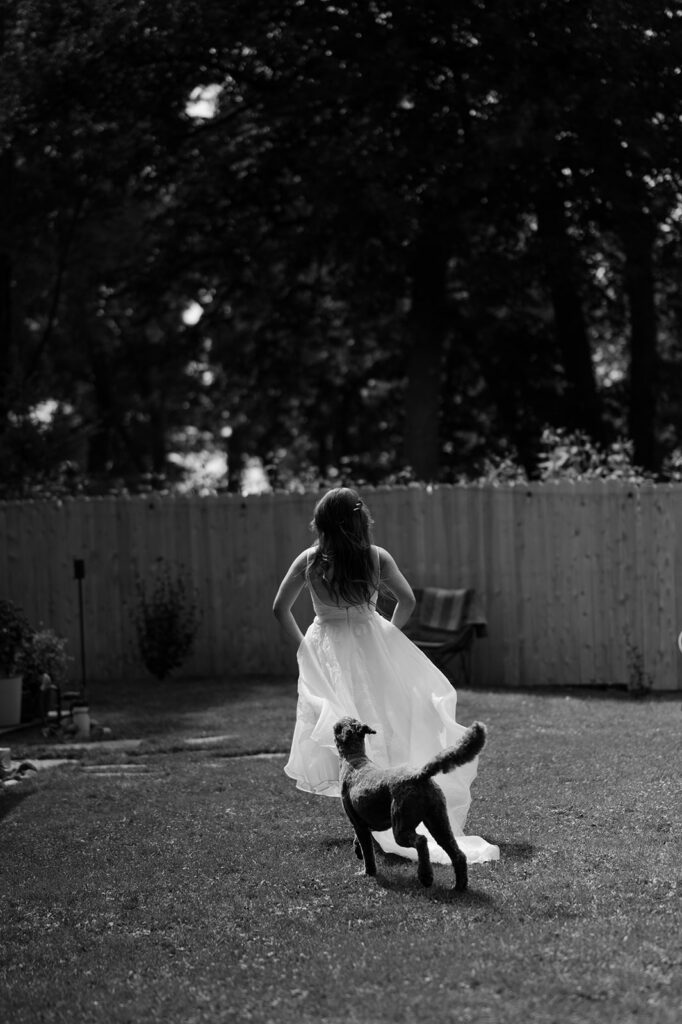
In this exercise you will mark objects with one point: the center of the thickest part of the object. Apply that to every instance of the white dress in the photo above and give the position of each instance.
(352, 661)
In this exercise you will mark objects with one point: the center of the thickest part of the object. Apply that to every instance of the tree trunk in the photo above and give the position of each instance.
(100, 454)
(582, 403)
(427, 330)
(6, 338)
(5, 334)
(639, 287)
(636, 229)
(234, 451)
(158, 436)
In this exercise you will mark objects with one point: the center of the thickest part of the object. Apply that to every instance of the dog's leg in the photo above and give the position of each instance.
(409, 837)
(363, 838)
(405, 834)
(439, 826)
(363, 843)
(424, 871)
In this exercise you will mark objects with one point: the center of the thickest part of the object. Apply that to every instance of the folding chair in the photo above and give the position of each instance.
(444, 624)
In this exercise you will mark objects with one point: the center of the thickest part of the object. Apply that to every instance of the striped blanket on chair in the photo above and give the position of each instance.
(448, 610)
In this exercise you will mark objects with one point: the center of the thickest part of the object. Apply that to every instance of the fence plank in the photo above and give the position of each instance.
(579, 581)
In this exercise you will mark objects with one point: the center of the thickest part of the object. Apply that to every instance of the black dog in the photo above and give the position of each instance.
(376, 799)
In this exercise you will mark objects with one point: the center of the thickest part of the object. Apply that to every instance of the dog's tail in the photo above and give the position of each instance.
(469, 746)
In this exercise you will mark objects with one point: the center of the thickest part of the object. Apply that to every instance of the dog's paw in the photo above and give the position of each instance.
(462, 880)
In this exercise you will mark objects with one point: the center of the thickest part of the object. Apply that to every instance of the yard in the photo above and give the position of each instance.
(180, 883)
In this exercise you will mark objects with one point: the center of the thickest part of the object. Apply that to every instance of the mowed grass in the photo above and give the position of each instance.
(243, 714)
(196, 886)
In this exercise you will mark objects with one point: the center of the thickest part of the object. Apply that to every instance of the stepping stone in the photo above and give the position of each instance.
(264, 756)
(209, 741)
(101, 745)
(121, 771)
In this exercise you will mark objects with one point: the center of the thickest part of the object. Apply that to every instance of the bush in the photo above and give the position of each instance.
(14, 633)
(566, 455)
(41, 661)
(166, 620)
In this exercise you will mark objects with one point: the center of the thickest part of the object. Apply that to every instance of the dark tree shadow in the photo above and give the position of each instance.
(11, 798)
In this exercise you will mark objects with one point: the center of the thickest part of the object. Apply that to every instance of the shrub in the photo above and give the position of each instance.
(14, 633)
(565, 455)
(42, 655)
(166, 620)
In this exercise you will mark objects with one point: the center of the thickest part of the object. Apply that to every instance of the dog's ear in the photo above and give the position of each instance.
(368, 731)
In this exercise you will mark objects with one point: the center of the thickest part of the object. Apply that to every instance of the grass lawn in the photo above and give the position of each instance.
(190, 885)
(249, 715)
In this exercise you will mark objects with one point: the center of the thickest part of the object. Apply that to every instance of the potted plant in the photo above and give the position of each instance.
(14, 633)
(44, 666)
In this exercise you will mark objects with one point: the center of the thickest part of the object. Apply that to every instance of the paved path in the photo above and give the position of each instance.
(129, 770)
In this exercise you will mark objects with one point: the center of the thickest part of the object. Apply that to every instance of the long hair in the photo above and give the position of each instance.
(343, 557)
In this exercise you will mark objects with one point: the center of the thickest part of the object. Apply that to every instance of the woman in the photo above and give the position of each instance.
(352, 661)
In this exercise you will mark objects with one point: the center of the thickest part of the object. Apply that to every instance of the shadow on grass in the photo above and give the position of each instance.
(515, 851)
(11, 798)
(442, 891)
(342, 843)
(396, 874)
(151, 696)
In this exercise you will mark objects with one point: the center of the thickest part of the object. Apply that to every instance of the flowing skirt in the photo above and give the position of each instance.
(354, 662)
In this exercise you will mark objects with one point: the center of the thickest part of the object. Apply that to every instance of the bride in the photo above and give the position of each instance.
(353, 662)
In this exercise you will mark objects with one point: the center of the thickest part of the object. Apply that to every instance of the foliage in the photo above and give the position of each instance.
(167, 618)
(41, 661)
(563, 455)
(260, 903)
(164, 719)
(411, 235)
(15, 632)
(559, 455)
(575, 456)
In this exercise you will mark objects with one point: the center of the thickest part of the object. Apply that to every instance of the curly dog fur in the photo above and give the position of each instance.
(376, 799)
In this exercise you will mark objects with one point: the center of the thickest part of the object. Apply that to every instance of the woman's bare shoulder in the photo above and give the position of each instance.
(300, 563)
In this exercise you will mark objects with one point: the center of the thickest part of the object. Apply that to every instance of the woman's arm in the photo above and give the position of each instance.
(402, 591)
(289, 589)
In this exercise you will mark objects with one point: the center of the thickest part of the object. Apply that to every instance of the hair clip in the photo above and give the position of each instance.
(358, 507)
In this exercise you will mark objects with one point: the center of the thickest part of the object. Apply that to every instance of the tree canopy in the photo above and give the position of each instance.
(375, 239)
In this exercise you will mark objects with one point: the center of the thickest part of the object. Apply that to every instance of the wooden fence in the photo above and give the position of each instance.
(579, 582)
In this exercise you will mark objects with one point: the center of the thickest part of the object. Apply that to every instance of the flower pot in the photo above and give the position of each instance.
(10, 701)
(81, 719)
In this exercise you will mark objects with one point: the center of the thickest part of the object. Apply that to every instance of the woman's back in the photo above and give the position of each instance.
(320, 580)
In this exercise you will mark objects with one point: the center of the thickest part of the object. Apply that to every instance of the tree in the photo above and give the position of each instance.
(91, 137)
(413, 234)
